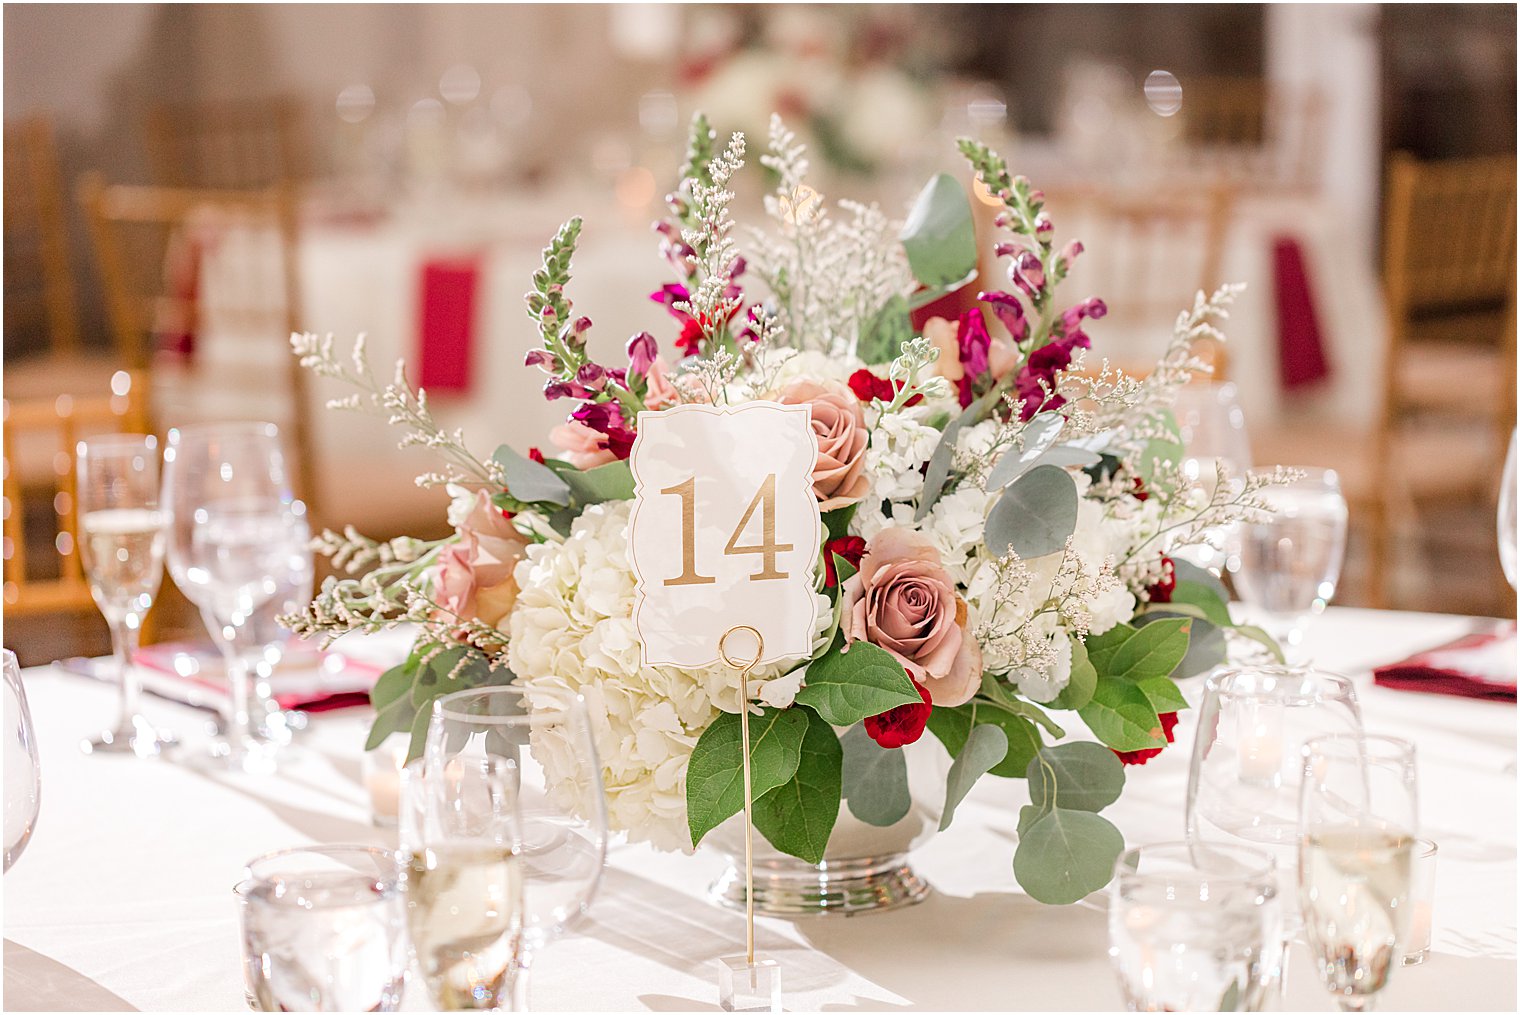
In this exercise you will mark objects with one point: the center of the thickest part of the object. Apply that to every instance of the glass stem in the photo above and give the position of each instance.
(517, 981)
(1355, 1002)
(239, 720)
(125, 634)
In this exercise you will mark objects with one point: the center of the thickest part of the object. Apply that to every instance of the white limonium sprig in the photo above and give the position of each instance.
(401, 405)
(714, 253)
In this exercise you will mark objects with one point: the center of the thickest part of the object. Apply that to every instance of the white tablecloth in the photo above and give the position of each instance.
(123, 897)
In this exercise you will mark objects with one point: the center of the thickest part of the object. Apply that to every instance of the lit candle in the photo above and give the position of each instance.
(1261, 742)
(382, 778)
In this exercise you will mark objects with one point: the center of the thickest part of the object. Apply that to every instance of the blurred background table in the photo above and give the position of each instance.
(123, 897)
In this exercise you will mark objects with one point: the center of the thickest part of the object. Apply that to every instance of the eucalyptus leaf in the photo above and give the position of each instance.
(874, 779)
(1039, 435)
(938, 469)
(393, 718)
(986, 745)
(1084, 679)
(798, 816)
(1070, 454)
(1121, 716)
(939, 236)
(606, 482)
(1066, 855)
(1187, 571)
(1258, 635)
(531, 482)
(1000, 697)
(418, 742)
(1034, 516)
(715, 774)
(393, 684)
(953, 726)
(1085, 777)
(845, 687)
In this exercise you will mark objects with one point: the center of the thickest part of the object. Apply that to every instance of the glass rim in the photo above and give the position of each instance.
(115, 441)
(443, 707)
(1262, 864)
(226, 427)
(1345, 688)
(334, 851)
(1342, 744)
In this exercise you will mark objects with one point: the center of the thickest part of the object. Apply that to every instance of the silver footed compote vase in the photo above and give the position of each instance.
(865, 868)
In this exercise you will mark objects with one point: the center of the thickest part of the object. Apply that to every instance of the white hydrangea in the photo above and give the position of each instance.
(813, 365)
(899, 448)
(572, 631)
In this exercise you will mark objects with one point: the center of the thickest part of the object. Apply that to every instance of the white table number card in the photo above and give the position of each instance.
(725, 530)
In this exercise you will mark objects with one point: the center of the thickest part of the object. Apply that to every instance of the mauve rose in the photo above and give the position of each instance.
(902, 600)
(580, 445)
(472, 583)
(839, 478)
(661, 393)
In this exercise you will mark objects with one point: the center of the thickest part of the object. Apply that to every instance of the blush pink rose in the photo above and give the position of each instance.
(580, 445)
(839, 478)
(902, 600)
(661, 393)
(473, 578)
(1001, 354)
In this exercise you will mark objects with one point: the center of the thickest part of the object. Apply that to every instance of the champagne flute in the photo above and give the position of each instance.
(1357, 834)
(546, 735)
(1287, 567)
(236, 537)
(463, 882)
(1508, 522)
(121, 540)
(23, 773)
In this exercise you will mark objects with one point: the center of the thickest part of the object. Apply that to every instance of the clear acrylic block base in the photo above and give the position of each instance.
(745, 987)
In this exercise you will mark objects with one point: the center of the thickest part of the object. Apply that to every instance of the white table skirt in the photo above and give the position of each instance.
(123, 898)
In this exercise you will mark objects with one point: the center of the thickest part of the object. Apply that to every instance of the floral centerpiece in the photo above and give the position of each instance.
(999, 518)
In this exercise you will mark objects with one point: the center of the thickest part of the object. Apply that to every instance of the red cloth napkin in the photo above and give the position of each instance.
(1476, 666)
(1301, 351)
(307, 681)
(446, 329)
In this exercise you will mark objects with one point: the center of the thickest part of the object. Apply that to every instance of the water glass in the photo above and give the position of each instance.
(1356, 858)
(461, 843)
(23, 772)
(239, 548)
(1287, 567)
(121, 543)
(1195, 927)
(323, 930)
(1422, 903)
(1212, 426)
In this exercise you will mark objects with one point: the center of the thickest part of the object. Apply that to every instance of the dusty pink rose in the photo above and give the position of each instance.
(473, 577)
(1001, 355)
(580, 445)
(661, 393)
(839, 478)
(903, 601)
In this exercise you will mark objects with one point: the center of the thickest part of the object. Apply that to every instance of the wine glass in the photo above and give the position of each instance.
(461, 840)
(1212, 426)
(1243, 782)
(1287, 567)
(23, 773)
(547, 735)
(1358, 827)
(121, 542)
(1508, 523)
(1195, 927)
(238, 544)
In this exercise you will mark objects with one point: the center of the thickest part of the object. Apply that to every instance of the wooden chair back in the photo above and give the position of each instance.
(1148, 255)
(1256, 134)
(180, 265)
(248, 144)
(39, 447)
(39, 283)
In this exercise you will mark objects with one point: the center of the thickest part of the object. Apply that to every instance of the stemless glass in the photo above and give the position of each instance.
(461, 837)
(1358, 827)
(323, 930)
(1508, 523)
(1287, 567)
(121, 543)
(23, 773)
(547, 736)
(1243, 783)
(1195, 927)
(238, 547)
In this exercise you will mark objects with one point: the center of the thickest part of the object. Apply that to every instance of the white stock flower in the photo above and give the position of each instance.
(899, 448)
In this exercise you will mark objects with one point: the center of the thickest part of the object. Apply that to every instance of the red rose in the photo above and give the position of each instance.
(851, 548)
(903, 724)
(867, 386)
(1140, 493)
(1161, 592)
(1168, 723)
(535, 455)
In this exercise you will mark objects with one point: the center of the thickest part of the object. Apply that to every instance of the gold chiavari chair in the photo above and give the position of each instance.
(212, 273)
(247, 144)
(39, 445)
(1258, 135)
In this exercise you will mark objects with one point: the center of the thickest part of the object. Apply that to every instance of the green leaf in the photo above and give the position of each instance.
(836, 523)
(1186, 571)
(1258, 635)
(1139, 653)
(715, 774)
(1121, 716)
(1034, 516)
(953, 727)
(1163, 694)
(394, 683)
(798, 816)
(874, 779)
(1000, 697)
(1070, 454)
(531, 482)
(845, 687)
(1230, 999)
(1084, 678)
(609, 481)
(985, 747)
(1213, 606)
(393, 718)
(886, 332)
(1086, 777)
(938, 469)
(456, 669)
(843, 570)
(1066, 855)
(1028, 815)
(418, 742)
(940, 236)
(1038, 436)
